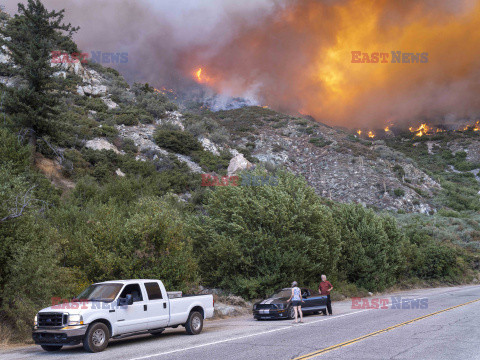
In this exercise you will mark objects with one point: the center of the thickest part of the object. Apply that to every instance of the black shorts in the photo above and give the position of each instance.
(296, 303)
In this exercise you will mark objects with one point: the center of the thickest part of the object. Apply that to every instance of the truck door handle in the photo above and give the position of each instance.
(165, 305)
(144, 307)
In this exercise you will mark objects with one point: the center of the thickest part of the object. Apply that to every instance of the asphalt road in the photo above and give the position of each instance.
(447, 328)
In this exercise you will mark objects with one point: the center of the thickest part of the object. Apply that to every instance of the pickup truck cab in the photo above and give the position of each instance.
(119, 308)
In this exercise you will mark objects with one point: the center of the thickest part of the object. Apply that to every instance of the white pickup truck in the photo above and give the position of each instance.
(119, 308)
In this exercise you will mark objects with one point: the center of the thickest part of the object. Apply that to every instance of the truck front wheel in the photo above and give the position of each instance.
(96, 338)
(194, 324)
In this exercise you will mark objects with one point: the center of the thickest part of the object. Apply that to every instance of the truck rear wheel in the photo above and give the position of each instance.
(194, 324)
(96, 338)
(51, 347)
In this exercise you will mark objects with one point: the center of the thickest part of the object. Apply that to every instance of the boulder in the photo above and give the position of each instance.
(208, 145)
(238, 163)
(110, 103)
(101, 144)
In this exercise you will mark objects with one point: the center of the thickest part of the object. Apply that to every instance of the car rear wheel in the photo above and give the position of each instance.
(96, 338)
(51, 347)
(194, 324)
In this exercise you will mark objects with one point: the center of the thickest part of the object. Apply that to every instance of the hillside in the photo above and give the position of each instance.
(101, 179)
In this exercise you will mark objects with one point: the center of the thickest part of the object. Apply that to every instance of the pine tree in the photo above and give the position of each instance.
(31, 36)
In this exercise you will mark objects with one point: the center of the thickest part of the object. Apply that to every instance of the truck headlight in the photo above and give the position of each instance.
(75, 319)
(35, 321)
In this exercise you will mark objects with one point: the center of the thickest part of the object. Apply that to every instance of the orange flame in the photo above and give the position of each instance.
(318, 75)
(423, 129)
(201, 76)
(387, 129)
(359, 132)
(371, 134)
(198, 73)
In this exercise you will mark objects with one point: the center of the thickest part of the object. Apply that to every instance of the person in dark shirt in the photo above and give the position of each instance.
(324, 289)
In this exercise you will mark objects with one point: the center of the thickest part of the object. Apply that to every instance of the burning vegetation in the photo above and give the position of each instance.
(299, 58)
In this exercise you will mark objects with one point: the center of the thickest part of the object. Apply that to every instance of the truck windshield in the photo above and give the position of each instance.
(100, 292)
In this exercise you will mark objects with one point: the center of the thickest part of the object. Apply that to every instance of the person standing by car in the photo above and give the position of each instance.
(324, 289)
(297, 300)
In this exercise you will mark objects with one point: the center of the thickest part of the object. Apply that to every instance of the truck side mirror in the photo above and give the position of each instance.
(127, 300)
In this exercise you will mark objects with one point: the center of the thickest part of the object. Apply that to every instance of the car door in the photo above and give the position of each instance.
(307, 304)
(318, 301)
(131, 318)
(158, 307)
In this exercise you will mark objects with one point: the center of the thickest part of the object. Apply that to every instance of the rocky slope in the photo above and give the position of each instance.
(339, 165)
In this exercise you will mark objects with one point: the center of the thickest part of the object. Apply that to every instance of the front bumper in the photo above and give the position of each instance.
(270, 314)
(67, 335)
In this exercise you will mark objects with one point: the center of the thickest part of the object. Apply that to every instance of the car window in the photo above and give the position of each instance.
(134, 290)
(153, 291)
(305, 292)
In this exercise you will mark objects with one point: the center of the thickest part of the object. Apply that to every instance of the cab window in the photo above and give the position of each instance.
(153, 291)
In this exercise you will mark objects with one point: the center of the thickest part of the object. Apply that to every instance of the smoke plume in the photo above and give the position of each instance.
(296, 56)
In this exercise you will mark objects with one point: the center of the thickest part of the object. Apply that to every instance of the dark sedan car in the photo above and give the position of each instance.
(277, 306)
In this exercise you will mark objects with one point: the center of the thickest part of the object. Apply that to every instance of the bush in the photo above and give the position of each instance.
(399, 192)
(370, 246)
(319, 142)
(95, 104)
(128, 119)
(210, 162)
(179, 142)
(145, 240)
(255, 239)
(13, 152)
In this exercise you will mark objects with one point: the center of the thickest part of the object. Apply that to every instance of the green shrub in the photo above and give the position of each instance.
(105, 130)
(319, 142)
(95, 104)
(210, 162)
(128, 119)
(13, 152)
(371, 246)
(255, 239)
(177, 141)
(399, 192)
(147, 240)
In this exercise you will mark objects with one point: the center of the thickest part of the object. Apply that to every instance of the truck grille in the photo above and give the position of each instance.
(52, 319)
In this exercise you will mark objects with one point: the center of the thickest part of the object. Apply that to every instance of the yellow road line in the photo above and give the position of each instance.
(349, 342)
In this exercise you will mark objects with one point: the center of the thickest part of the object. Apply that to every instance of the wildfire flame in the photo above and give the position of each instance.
(423, 129)
(202, 77)
(359, 132)
(198, 73)
(387, 129)
(303, 52)
(371, 134)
